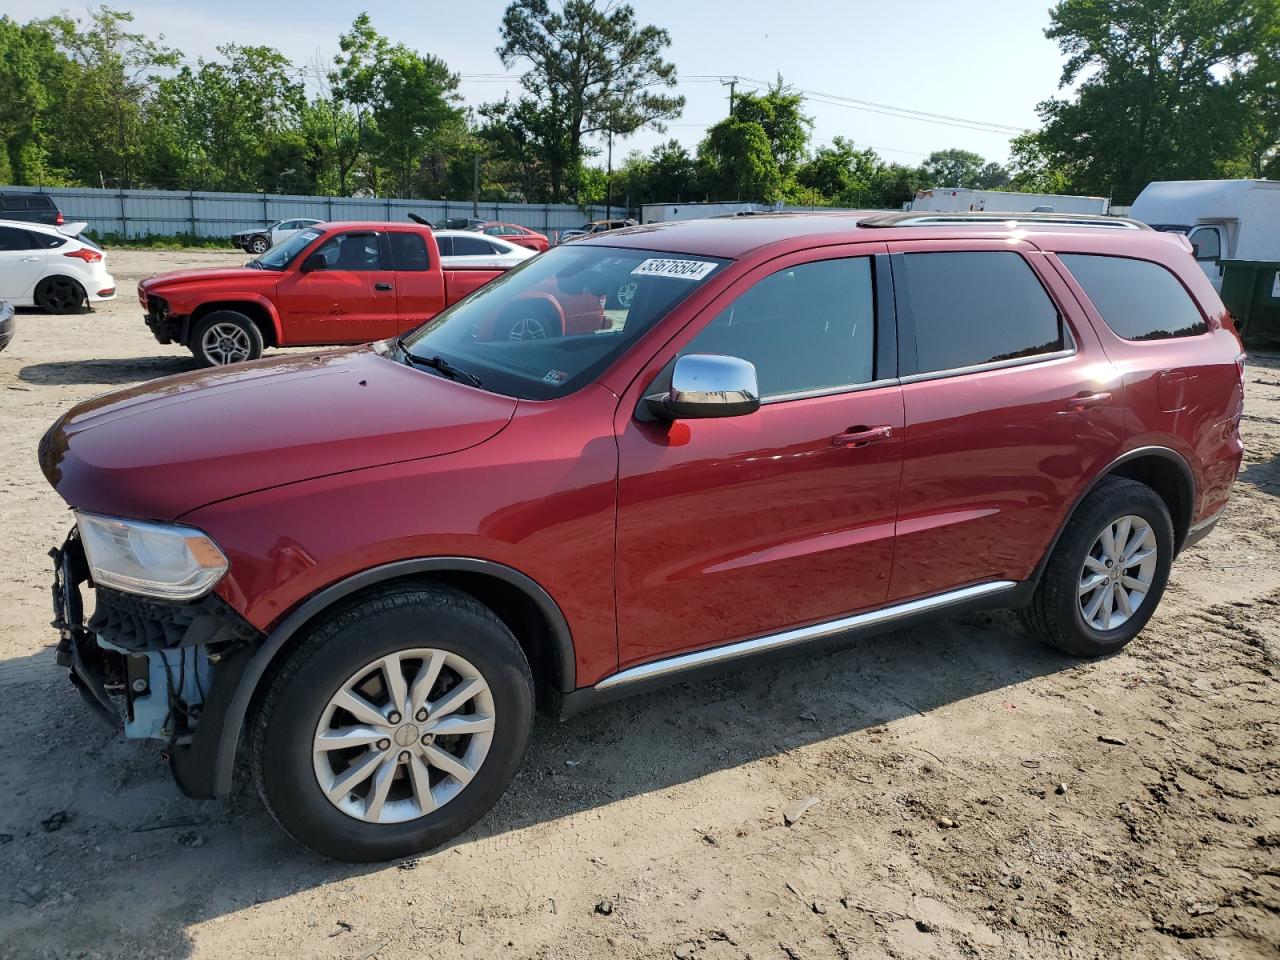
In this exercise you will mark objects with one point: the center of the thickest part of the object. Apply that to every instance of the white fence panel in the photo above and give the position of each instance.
(143, 213)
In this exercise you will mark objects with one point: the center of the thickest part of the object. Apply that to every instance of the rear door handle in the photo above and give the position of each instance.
(1087, 401)
(861, 436)
(382, 286)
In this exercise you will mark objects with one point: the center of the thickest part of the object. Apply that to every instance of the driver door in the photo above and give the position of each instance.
(736, 528)
(350, 299)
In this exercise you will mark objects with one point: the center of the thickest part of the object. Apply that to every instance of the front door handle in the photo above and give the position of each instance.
(861, 436)
(382, 286)
(1087, 401)
(30, 259)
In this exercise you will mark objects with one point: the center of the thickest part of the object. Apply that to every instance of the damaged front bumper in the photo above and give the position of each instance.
(155, 668)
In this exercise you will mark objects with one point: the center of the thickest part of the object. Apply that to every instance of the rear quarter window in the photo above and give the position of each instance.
(1137, 299)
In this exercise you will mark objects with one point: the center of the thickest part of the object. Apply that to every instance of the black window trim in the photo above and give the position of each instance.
(388, 250)
(1086, 302)
(908, 362)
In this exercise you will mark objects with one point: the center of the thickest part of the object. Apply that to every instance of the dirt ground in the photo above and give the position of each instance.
(968, 803)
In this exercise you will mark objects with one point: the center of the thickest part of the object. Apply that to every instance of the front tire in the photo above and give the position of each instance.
(223, 337)
(60, 295)
(394, 726)
(1107, 573)
(259, 245)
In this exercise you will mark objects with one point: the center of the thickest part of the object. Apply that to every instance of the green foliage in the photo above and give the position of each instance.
(1166, 89)
(736, 162)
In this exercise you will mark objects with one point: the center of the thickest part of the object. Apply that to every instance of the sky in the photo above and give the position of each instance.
(985, 61)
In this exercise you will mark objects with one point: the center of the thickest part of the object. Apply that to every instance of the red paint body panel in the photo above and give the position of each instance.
(658, 538)
(325, 307)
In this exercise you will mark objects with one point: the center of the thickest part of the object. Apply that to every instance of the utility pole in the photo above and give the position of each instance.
(475, 185)
(608, 182)
(732, 84)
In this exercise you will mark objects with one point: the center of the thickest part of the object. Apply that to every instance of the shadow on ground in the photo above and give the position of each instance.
(116, 371)
(133, 847)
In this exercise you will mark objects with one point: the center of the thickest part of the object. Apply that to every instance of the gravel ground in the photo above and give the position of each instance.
(978, 795)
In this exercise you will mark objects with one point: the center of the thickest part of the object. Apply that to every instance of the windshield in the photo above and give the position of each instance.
(278, 257)
(557, 321)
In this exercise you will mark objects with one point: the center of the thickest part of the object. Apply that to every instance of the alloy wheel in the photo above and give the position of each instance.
(225, 343)
(403, 735)
(1118, 572)
(528, 328)
(627, 293)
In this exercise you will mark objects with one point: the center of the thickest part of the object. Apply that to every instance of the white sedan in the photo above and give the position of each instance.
(52, 267)
(261, 239)
(463, 248)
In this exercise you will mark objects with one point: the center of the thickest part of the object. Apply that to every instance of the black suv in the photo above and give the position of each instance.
(31, 207)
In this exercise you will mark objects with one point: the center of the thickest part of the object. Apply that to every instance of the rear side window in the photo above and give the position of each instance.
(1139, 300)
(808, 328)
(409, 252)
(47, 240)
(971, 308)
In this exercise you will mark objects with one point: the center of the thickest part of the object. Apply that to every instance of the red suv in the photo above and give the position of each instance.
(363, 563)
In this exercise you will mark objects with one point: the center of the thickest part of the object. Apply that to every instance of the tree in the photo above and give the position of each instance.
(953, 168)
(736, 162)
(225, 118)
(777, 111)
(99, 116)
(592, 70)
(841, 174)
(1166, 89)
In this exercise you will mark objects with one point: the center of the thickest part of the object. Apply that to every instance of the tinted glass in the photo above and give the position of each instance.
(1206, 244)
(352, 251)
(51, 240)
(278, 257)
(409, 252)
(810, 327)
(556, 321)
(1139, 300)
(13, 239)
(979, 307)
(444, 245)
(472, 247)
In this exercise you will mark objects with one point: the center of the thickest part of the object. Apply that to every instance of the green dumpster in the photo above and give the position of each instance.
(1251, 291)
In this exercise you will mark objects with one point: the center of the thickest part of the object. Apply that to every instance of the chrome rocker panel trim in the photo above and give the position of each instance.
(788, 638)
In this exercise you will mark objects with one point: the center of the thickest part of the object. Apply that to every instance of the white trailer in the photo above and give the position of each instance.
(1223, 219)
(664, 212)
(964, 200)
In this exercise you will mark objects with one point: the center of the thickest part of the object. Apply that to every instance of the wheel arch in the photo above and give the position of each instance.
(207, 769)
(260, 311)
(1162, 469)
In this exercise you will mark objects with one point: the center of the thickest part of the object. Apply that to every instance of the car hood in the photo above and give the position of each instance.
(175, 278)
(159, 450)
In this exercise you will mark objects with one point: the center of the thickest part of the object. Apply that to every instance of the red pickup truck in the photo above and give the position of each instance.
(332, 283)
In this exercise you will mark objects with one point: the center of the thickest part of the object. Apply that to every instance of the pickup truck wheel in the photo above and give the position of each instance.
(1107, 572)
(394, 726)
(225, 336)
(60, 295)
(259, 245)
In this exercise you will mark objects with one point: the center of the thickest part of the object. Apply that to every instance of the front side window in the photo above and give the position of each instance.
(807, 328)
(1206, 244)
(559, 320)
(1138, 299)
(976, 307)
(472, 247)
(352, 251)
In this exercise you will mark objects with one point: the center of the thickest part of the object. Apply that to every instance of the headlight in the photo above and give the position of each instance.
(152, 559)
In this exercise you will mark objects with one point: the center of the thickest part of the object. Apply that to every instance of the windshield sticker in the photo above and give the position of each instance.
(683, 269)
(555, 376)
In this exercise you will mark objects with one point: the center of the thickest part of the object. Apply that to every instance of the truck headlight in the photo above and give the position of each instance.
(151, 559)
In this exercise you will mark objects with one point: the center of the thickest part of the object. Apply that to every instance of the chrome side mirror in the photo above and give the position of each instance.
(705, 385)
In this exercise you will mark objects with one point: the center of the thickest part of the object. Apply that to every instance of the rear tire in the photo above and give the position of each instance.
(60, 295)
(223, 337)
(323, 796)
(1072, 609)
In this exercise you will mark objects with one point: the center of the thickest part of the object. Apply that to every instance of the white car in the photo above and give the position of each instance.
(261, 239)
(460, 249)
(52, 267)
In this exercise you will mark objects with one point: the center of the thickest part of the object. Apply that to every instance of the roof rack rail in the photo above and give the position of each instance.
(912, 218)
